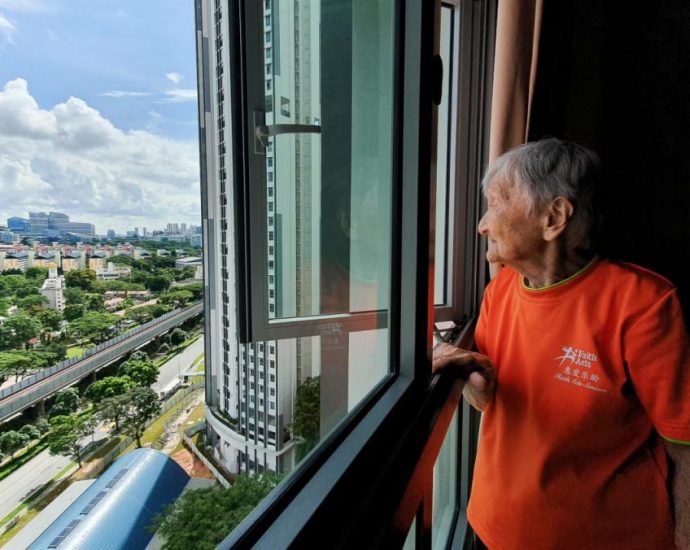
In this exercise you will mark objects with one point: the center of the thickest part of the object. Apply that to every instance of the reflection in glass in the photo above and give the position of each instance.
(445, 487)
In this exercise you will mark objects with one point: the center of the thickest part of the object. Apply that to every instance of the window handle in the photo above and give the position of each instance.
(263, 131)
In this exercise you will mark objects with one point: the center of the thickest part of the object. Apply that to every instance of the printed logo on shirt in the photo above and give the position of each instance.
(579, 368)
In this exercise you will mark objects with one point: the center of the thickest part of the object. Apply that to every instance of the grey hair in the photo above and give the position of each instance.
(551, 168)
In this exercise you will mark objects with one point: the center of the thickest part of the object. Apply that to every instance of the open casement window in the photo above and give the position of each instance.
(334, 132)
(315, 164)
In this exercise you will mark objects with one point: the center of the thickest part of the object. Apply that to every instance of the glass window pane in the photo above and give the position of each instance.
(445, 165)
(411, 540)
(332, 189)
(445, 487)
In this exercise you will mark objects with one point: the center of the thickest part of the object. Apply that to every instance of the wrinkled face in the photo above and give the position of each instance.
(515, 237)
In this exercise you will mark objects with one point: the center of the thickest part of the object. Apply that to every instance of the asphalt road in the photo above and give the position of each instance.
(177, 365)
(41, 469)
(17, 486)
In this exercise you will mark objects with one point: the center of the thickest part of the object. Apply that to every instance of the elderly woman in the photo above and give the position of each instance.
(583, 373)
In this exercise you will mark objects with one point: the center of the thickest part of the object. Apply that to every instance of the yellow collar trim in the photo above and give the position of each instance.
(560, 283)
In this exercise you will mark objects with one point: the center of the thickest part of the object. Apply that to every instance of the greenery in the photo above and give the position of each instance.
(94, 326)
(202, 518)
(114, 409)
(307, 418)
(143, 406)
(143, 372)
(18, 330)
(107, 387)
(23, 363)
(67, 433)
(84, 279)
(66, 402)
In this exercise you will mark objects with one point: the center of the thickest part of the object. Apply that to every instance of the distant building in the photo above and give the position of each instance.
(195, 241)
(162, 252)
(18, 225)
(112, 271)
(140, 254)
(47, 259)
(15, 260)
(53, 290)
(97, 260)
(7, 236)
(190, 261)
(111, 234)
(80, 228)
(72, 260)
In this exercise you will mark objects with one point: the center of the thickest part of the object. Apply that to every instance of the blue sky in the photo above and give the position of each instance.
(98, 111)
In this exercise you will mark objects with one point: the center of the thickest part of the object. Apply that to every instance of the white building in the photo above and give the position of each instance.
(53, 290)
(251, 388)
(112, 271)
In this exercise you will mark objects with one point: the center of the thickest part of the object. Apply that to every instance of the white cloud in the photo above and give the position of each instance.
(121, 93)
(7, 29)
(180, 95)
(175, 78)
(72, 159)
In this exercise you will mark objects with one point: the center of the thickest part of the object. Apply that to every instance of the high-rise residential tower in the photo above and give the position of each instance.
(251, 388)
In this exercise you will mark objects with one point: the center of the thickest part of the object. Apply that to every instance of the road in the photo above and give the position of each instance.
(177, 365)
(17, 486)
(41, 469)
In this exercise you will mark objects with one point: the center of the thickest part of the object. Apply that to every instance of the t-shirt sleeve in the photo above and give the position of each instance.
(657, 353)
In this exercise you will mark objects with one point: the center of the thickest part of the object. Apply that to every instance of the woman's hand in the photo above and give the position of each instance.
(476, 369)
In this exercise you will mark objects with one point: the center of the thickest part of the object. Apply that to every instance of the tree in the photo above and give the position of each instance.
(74, 295)
(94, 325)
(67, 433)
(141, 372)
(114, 409)
(158, 283)
(145, 313)
(178, 336)
(307, 418)
(94, 302)
(18, 330)
(31, 431)
(202, 518)
(12, 441)
(197, 290)
(57, 349)
(40, 273)
(177, 298)
(143, 406)
(81, 278)
(50, 319)
(42, 425)
(110, 386)
(73, 311)
(66, 402)
(33, 304)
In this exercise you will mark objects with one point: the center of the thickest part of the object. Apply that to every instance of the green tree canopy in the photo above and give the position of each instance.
(307, 418)
(202, 518)
(18, 330)
(146, 313)
(74, 295)
(158, 283)
(40, 273)
(114, 409)
(177, 298)
(81, 278)
(110, 386)
(12, 441)
(142, 372)
(143, 406)
(73, 311)
(66, 402)
(178, 336)
(32, 304)
(94, 301)
(67, 433)
(31, 431)
(94, 325)
(50, 319)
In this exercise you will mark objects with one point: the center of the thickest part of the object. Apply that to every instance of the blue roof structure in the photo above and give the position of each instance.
(116, 511)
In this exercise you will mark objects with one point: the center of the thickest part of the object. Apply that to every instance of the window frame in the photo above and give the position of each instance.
(308, 505)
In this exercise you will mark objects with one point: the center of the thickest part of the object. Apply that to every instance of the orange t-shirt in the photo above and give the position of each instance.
(590, 372)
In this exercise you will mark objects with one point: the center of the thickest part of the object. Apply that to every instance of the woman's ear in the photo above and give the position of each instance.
(557, 216)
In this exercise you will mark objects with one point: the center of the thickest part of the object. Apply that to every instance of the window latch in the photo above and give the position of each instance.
(263, 131)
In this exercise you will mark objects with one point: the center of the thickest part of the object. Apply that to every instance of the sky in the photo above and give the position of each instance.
(98, 113)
